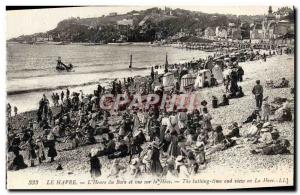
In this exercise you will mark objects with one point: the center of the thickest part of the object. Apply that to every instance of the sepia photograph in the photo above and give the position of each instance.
(150, 97)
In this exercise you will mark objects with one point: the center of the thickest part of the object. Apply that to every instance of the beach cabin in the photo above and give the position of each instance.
(218, 73)
(202, 79)
(168, 80)
(187, 82)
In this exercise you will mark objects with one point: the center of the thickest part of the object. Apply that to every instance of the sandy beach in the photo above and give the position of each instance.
(238, 159)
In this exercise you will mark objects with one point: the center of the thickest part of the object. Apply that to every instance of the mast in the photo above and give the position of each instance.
(166, 63)
(130, 63)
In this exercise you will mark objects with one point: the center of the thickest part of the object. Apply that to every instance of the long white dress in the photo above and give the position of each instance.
(218, 74)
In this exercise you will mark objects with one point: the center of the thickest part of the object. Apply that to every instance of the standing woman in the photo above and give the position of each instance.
(40, 150)
(206, 119)
(266, 110)
(18, 161)
(51, 140)
(173, 150)
(95, 164)
(181, 167)
(8, 111)
(31, 149)
(182, 120)
(155, 165)
(136, 122)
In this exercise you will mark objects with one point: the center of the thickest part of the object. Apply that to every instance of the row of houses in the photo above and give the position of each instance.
(232, 31)
(270, 28)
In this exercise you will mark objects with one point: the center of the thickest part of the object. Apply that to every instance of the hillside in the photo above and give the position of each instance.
(147, 25)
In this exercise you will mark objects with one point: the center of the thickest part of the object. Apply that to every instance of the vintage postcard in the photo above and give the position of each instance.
(136, 97)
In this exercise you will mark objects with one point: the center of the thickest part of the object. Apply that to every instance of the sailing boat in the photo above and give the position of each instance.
(130, 63)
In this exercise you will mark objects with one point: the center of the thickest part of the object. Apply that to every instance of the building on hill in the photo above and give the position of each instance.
(199, 32)
(231, 25)
(180, 34)
(283, 27)
(268, 25)
(234, 31)
(256, 30)
(271, 27)
(168, 11)
(221, 32)
(42, 38)
(209, 33)
(245, 30)
(125, 22)
(124, 26)
(288, 39)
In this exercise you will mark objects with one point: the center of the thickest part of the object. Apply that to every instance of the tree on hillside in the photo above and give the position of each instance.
(284, 11)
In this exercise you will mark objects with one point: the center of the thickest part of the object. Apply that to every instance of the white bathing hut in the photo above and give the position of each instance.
(202, 79)
(168, 80)
(187, 82)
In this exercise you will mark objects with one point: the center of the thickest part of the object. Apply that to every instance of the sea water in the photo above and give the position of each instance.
(31, 69)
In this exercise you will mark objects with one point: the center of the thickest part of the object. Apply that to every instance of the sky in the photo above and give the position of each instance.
(26, 22)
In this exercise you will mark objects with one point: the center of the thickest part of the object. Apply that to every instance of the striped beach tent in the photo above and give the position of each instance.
(187, 82)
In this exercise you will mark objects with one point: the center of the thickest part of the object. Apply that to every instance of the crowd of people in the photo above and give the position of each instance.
(152, 140)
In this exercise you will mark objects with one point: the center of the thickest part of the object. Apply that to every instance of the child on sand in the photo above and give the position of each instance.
(15, 110)
(266, 110)
(95, 164)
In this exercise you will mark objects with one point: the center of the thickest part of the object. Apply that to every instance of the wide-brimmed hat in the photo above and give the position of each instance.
(94, 115)
(50, 136)
(219, 128)
(199, 146)
(203, 103)
(135, 161)
(275, 134)
(264, 130)
(126, 139)
(137, 132)
(235, 124)
(56, 122)
(94, 152)
(267, 124)
(170, 160)
(93, 98)
(155, 144)
(179, 158)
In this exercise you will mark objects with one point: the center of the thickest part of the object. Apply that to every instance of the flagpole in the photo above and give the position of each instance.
(166, 63)
(130, 63)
